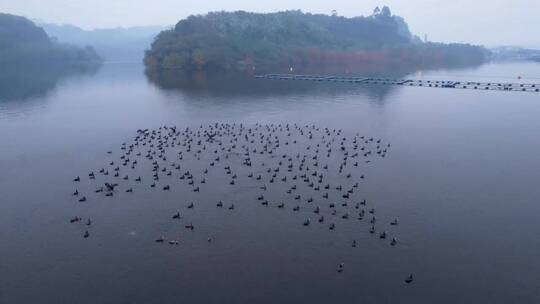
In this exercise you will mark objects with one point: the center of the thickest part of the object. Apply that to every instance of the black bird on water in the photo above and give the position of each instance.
(340, 267)
(283, 162)
(409, 279)
(110, 186)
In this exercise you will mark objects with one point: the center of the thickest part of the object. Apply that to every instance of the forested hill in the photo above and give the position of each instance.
(276, 41)
(22, 42)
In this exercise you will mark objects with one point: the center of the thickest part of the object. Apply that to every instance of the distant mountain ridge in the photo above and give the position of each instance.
(296, 40)
(515, 53)
(114, 44)
(22, 42)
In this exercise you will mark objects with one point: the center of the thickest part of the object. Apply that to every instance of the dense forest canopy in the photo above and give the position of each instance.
(22, 42)
(249, 41)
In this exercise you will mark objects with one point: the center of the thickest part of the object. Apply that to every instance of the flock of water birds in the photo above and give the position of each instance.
(315, 172)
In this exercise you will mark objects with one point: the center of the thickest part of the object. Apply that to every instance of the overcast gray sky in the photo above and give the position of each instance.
(493, 22)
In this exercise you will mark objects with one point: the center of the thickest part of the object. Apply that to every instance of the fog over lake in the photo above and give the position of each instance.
(461, 175)
(491, 23)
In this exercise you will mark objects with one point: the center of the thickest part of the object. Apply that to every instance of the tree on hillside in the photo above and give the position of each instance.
(223, 40)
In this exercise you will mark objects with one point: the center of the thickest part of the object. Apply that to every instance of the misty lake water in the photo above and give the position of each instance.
(462, 175)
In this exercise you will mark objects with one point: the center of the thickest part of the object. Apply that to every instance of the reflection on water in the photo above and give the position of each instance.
(462, 177)
(231, 85)
(22, 84)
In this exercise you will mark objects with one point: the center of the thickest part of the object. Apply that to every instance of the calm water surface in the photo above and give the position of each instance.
(462, 176)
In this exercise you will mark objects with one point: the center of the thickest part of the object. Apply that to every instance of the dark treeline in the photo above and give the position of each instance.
(279, 41)
(24, 43)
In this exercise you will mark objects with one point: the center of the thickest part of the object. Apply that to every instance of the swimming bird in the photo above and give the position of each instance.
(75, 219)
(110, 187)
(278, 154)
(340, 267)
(409, 278)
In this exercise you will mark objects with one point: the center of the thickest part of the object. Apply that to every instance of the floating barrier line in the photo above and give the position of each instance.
(473, 85)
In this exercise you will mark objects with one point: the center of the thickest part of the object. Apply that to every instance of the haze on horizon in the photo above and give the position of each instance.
(490, 23)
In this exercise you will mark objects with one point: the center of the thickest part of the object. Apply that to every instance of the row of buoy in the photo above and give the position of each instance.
(418, 82)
